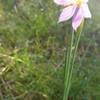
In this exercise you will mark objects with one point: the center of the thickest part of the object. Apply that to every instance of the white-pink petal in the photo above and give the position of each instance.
(63, 2)
(86, 11)
(77, 18)
(67, 13)
(85, 1)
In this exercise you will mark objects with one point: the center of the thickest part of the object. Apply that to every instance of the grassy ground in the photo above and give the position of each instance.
(32, 48)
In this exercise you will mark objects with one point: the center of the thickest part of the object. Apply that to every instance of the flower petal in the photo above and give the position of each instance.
(77, 18)
(85, 1)
(63, 2)
(67, 13)
(86, 11)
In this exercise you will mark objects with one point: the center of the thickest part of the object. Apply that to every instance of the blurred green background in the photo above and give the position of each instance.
(32, 49)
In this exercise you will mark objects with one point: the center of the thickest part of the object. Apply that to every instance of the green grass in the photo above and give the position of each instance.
(32, 48)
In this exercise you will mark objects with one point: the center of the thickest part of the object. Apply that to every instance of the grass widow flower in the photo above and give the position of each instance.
(75, 9)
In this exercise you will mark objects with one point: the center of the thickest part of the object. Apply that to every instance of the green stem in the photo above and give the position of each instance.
(69, 62)
(79, 32)
(67, 68)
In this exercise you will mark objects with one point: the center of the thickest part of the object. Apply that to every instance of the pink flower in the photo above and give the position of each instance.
(75, 9)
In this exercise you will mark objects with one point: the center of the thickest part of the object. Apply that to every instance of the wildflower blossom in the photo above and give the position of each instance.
(75, 9)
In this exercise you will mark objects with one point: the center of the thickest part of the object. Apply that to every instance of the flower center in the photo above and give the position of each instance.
(75, 2)
(79, 2)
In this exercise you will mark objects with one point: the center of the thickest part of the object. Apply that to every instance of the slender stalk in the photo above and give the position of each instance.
(68, 58)
(79, 32)
(69, 62)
